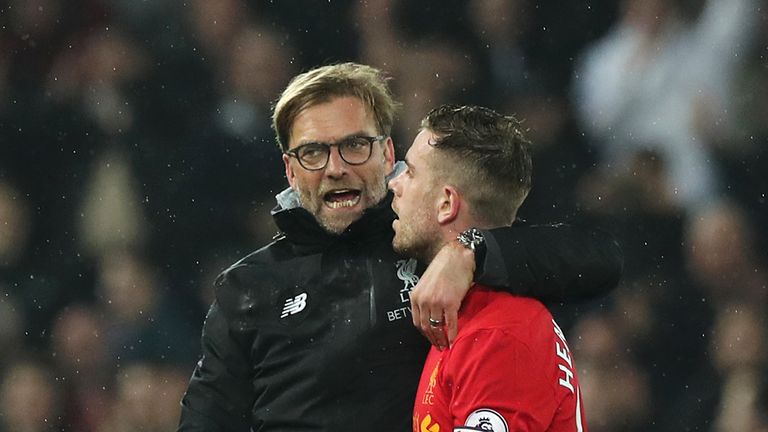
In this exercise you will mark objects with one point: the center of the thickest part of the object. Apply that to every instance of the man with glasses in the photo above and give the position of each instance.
(354, 150)
(313, 331)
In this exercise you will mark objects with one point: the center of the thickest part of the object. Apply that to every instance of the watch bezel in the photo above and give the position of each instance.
(471, 238)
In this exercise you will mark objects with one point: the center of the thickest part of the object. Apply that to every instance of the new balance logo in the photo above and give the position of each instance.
(294, 305)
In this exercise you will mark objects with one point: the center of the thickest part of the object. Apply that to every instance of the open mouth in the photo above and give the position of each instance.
(341, 198)
(396, 220)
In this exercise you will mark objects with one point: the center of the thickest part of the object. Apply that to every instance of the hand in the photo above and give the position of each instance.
(439, 293)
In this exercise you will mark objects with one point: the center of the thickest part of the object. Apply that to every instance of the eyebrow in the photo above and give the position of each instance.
(410, 166)
(353, 134)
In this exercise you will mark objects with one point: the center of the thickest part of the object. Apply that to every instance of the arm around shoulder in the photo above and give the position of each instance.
(557, 262)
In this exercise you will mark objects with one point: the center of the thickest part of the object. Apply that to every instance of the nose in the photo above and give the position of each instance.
(397, 169)
(336, 166)
(394, 182)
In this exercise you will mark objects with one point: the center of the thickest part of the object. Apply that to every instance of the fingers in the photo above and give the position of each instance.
(436, 330)
(439, 293)
(429, 317)
(428, 329)
(415, 311)
(451, 317)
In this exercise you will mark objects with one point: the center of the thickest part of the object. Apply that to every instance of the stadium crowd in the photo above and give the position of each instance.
(137, 162)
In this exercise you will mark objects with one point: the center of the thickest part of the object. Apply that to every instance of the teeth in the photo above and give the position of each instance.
(340, 204)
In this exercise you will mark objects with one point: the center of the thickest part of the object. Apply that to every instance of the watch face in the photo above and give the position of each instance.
(471, 238)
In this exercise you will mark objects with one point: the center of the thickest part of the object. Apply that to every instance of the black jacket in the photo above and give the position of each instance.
(313, 331)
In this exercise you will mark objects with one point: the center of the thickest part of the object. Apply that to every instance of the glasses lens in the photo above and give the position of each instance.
(313, 156)
(355, 150)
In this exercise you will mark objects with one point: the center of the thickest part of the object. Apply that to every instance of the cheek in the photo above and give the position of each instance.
(306, 178)
(416, 198)
(373, 174)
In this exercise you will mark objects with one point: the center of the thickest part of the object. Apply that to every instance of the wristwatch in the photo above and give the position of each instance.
(472, 239)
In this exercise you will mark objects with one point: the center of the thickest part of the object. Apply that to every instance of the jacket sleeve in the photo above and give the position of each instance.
(219, 396)
(554, 263)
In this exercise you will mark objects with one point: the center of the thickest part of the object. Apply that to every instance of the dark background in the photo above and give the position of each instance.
(137, 162)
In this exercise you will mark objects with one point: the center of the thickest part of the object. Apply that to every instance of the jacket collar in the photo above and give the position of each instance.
(301, 227)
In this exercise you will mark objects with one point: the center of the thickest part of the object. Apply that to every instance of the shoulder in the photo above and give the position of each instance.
(250, 264)
(259, 282)
(494, 322)
(510, 332)
(272, 258)
(485, 309)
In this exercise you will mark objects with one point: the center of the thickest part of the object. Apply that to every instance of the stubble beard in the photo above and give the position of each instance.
(414, 241)
(313, 202)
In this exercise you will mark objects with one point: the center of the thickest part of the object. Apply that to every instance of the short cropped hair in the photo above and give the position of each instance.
(486, 156)
(325, 83)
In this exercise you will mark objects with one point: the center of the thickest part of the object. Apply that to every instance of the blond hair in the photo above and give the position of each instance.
(325, 83)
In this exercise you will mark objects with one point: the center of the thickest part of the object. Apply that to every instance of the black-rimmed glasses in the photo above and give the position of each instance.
(354, 150)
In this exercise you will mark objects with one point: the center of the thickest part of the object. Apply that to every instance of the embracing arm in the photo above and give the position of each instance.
(219, 397)
(551, 262)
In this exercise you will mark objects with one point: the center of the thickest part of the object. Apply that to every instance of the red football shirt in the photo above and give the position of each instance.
(509, 369)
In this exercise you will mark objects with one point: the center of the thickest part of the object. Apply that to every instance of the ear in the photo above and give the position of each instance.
(448, 206)
(389, 154)
(289, 174)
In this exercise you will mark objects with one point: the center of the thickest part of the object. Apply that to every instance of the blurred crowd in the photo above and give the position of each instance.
(137, 161)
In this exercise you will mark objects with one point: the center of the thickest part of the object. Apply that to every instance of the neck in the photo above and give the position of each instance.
(448, 233)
